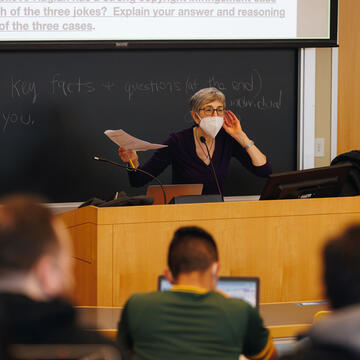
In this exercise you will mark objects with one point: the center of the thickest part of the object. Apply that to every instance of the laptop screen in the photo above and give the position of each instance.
(245, 288)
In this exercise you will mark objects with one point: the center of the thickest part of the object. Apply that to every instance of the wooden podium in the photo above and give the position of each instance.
(120, 251)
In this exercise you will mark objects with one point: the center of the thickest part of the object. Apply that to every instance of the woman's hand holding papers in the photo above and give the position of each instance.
(129, 156)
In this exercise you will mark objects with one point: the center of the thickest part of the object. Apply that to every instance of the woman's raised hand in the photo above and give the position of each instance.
(232, 124)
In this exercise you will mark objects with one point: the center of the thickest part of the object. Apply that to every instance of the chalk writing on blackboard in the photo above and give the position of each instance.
(8, 118)
(249, 88)
(23, 88)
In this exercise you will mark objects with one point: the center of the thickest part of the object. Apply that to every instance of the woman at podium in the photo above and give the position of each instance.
(216, 137)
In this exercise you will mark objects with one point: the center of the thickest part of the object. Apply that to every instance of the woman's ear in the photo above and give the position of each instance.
(195, 117)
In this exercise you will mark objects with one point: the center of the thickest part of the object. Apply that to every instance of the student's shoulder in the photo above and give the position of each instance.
(147, 298)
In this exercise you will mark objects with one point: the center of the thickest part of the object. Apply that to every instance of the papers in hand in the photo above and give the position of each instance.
(123, 139)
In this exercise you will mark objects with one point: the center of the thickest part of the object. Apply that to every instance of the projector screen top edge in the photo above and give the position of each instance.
(161, 45)
(112, 24)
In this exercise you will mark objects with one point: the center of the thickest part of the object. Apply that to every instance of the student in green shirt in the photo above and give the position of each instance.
(192, 321)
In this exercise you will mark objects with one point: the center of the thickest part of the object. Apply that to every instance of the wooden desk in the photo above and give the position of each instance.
(120, 251)
(284, 320)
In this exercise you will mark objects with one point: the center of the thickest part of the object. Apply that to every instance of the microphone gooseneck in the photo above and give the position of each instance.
(203, 140)
(133, 170)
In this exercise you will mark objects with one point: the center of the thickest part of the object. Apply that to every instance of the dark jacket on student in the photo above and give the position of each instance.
(25, 321)
(336, 337)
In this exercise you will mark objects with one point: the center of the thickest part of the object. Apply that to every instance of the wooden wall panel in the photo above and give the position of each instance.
(84, 239)
(104, 265)
(349, 76)
(283, 251)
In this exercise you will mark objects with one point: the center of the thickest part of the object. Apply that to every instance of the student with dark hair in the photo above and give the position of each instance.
(192, 320)
(338, 335)
(36, 277)
(191, 249)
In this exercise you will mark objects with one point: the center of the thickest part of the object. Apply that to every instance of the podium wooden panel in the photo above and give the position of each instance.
(120, 251)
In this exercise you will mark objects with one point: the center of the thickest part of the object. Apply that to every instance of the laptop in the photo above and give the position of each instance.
(240, 287)
(172, 191)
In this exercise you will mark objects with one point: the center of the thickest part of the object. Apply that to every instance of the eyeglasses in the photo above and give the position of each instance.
(210, 110)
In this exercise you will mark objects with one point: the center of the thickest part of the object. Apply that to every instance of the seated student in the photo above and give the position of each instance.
(338, 335)
(35, 277)
(192, 320)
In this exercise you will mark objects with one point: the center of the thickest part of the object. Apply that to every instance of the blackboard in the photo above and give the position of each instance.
(56, 105)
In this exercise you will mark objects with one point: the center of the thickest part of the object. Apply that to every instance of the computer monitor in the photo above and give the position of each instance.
(240, 287)
(311, 183)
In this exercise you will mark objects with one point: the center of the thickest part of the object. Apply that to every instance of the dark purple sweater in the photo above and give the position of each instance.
(188, 168)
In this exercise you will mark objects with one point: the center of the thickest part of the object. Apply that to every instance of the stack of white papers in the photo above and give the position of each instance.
(123, 139)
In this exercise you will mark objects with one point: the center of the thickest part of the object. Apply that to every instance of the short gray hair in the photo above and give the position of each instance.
(205, 96)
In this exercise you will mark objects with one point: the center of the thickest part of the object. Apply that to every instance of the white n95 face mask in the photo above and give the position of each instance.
(211, 125)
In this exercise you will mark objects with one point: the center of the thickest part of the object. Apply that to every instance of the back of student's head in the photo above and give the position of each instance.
(342, 268)
(34, 246)
(191, 249)
(26, 233)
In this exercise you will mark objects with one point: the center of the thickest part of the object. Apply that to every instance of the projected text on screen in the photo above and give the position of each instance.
(47, 20)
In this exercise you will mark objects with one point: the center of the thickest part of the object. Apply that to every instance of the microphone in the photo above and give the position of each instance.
(203, 140)
(134, 169)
